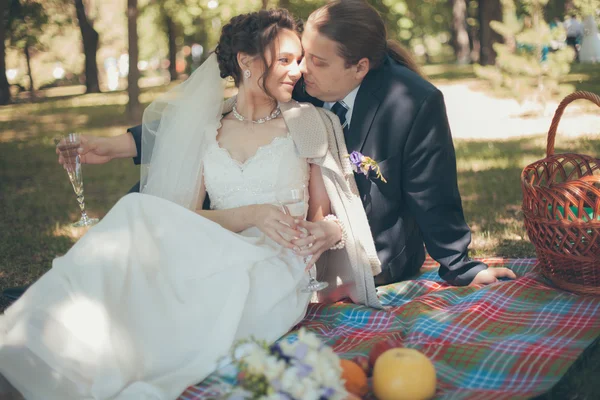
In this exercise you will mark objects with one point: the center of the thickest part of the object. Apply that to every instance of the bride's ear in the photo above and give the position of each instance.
(244, 61)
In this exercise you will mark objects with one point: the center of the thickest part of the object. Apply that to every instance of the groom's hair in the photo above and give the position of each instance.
(360, 33)
(253, 34)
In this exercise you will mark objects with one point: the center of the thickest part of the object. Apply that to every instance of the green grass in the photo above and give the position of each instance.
(489, 179)
(442, 73)
(582, 77)
(37, 203)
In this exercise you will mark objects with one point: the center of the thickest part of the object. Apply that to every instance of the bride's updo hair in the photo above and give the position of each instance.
(252, 34)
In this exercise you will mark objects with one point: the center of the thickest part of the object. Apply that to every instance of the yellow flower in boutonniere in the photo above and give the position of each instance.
(363, 165)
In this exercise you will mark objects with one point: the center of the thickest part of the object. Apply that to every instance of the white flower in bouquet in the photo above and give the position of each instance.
(256, 360)
(274, 368)
(301, 369)
(309, 339)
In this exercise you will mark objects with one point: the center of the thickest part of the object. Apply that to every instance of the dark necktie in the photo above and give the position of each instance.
(340, 109)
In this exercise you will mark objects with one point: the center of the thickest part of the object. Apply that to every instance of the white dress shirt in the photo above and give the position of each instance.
(574, 28)
(348, 101)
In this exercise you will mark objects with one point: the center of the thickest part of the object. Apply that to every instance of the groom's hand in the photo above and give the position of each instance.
(322, 235)
(491, 275)
(92, 150)
(100, 150)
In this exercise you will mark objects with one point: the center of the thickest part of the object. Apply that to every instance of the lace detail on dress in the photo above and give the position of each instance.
(273, 167)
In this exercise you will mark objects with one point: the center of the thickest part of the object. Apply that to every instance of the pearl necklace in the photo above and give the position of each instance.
(240, 117)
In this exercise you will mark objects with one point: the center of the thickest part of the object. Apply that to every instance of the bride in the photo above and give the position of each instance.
(148, 300)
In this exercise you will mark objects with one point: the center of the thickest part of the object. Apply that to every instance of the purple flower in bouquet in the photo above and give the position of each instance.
(326, 393)
(277, 351)
(304, 370)
(295, 369)
(301, 351)
(364, 165)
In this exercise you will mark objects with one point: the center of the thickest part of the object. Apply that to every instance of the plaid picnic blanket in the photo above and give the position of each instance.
(512, 339)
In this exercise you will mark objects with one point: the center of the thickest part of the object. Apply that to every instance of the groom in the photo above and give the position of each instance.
(391, 114)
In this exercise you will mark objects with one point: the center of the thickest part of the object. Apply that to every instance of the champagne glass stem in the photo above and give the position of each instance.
(81, 201)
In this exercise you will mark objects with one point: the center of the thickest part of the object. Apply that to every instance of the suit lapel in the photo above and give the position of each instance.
(365, 107)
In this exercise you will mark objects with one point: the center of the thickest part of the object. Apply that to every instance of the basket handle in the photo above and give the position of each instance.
(559, 112)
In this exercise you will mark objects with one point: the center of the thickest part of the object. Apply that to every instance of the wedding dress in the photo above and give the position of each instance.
(590, 43)
(148, 301)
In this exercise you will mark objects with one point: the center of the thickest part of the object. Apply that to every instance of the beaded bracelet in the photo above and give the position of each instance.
(342, 243)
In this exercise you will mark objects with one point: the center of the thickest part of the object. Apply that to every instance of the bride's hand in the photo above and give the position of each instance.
(275, 224)
(322, 235)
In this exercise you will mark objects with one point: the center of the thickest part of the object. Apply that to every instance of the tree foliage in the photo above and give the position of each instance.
(26, 22)
(167, 29)
(586, 7)
(527, 65)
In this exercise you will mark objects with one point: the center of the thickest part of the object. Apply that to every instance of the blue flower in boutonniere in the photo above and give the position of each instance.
(364, 165)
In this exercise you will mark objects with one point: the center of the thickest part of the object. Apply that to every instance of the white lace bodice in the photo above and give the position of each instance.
(273, 167)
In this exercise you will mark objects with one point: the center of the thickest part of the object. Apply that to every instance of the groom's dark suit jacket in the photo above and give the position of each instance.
(399, 120)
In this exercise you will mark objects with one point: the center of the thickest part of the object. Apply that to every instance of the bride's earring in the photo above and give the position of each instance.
(247, 74)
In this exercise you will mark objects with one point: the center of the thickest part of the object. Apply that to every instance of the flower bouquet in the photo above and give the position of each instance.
(300, 369)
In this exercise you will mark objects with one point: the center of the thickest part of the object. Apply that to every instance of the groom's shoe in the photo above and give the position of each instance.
(14, 293)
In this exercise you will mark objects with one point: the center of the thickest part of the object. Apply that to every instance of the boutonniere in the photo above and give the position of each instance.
(364, 165)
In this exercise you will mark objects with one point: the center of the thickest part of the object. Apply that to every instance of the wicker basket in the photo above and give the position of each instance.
(561, 207)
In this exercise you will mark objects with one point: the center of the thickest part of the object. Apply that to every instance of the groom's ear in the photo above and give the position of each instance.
(362, 68)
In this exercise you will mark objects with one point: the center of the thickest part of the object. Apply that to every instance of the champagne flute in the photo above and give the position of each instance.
(67, 146)
(293, 203)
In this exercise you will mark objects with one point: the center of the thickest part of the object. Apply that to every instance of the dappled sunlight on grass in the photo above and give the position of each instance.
(582, 77)
(444, 72)
(37, 204)
(96, 113)
(483, 165)
(489, 180)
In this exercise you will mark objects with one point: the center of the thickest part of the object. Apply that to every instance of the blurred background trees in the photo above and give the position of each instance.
(106, 45)
(89, 38)
(531, 57)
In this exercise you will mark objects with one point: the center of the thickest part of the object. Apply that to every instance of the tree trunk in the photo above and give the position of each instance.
(171, 36)
(460, 37)
(265, 3)
(90, 47)
(4, 86)
(474, 43)
(133, 90)
(489, 10)
(29, 73)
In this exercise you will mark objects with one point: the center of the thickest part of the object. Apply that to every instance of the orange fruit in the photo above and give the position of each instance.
(403, 374)
(354, 377)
